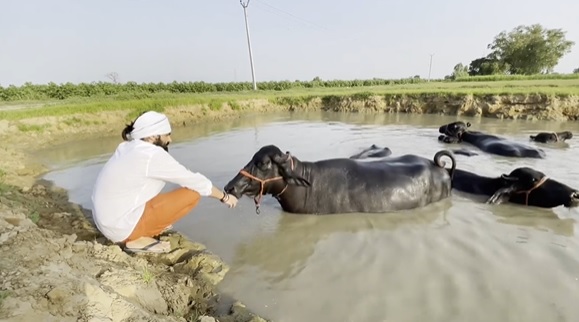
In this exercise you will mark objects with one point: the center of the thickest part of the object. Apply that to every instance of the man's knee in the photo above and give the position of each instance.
(193, 197)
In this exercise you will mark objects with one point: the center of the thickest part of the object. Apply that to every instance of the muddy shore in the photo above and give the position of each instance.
(57, 267)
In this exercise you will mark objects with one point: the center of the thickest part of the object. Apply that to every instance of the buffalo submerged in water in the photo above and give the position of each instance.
(523, 186)
(458, 132)
(551, 137)
(343, 185)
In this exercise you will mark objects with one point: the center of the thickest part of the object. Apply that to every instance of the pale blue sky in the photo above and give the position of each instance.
(204, 40)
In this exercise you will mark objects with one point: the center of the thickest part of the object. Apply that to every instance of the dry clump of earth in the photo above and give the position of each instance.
(57, 267)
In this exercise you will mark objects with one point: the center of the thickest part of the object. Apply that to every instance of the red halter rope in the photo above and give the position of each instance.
(262, 182)
(537, 185)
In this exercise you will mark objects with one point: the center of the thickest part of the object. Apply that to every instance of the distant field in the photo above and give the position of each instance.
(160, 100)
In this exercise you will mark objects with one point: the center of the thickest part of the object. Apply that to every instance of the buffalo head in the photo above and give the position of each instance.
(454, 129)
(531, 187)
(548, 137)
(268, 171)
(448, 139)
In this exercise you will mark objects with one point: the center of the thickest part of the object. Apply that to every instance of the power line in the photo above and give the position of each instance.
(290, 26)
(289, 14)
(262, 5)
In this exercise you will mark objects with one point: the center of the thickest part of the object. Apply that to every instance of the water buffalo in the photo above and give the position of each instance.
(375, 151)
(552, 137)
(524, 186)
(372, 152)
(343, 185)
(448, 139)
(457, 131)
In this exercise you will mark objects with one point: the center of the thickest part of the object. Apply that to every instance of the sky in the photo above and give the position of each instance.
(77, 41)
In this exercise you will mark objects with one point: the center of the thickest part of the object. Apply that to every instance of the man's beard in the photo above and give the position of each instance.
(165, 146)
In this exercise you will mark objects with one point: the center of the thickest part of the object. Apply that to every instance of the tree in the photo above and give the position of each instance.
(487, 66)
(459, 70)
(576, 71)
(114, 77)
(530, 49)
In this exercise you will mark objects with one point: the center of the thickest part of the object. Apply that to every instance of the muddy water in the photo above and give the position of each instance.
(457, 260)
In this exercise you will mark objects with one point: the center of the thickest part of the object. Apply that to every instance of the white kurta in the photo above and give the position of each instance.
(134, 174)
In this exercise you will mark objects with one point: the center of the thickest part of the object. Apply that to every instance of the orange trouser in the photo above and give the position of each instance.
(163, 210)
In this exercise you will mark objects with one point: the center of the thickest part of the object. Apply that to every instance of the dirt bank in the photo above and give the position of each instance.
(56, 267)
(508, 106)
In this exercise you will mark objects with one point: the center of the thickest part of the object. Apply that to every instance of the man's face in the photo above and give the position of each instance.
(163, 141)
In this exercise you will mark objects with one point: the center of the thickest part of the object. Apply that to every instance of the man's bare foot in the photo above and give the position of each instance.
(148, 244)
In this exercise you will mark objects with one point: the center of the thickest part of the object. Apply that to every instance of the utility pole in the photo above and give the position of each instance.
(244, 5)
(430, 67)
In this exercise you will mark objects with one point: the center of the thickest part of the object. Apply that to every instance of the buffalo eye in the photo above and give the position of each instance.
(263, 164)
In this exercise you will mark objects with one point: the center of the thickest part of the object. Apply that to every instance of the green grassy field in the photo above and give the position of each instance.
(158, 101)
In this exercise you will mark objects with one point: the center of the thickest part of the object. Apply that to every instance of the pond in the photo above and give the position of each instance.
(455, 260)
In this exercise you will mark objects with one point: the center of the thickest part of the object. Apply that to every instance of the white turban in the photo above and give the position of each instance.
(150, 124)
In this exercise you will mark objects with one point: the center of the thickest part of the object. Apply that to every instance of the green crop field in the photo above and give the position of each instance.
(140, 97)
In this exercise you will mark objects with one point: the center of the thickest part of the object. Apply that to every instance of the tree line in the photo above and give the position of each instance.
(133, 90)
(525, 50)
(30, 91)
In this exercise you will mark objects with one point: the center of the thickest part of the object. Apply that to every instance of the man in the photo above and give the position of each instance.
(127, 205)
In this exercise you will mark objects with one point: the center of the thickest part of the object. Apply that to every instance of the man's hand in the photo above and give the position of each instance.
(230, 201)
(224, 197)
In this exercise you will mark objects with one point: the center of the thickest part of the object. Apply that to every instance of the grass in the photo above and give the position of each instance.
(516, 77)
(215, 101)
(34, 216)
(4, 188)
(32, 127)
(147, 275)
(194, 315)
(3, 296)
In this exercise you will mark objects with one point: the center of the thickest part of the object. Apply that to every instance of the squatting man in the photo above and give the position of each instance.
(128, 207)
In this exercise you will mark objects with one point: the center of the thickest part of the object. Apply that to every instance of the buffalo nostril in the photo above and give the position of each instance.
(229, 190)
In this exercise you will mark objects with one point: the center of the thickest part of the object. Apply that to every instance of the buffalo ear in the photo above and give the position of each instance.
(281, 160)
(509, 178)
(500, 196)
(285, 163)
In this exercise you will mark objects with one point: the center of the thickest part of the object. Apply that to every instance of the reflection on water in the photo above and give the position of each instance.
(456, 260)
(308, 231)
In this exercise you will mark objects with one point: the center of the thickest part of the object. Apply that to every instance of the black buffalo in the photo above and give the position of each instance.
(372, 152)
(552, 137)
(524, 186)
(457, 132)
(375, 151)
(343, 185)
